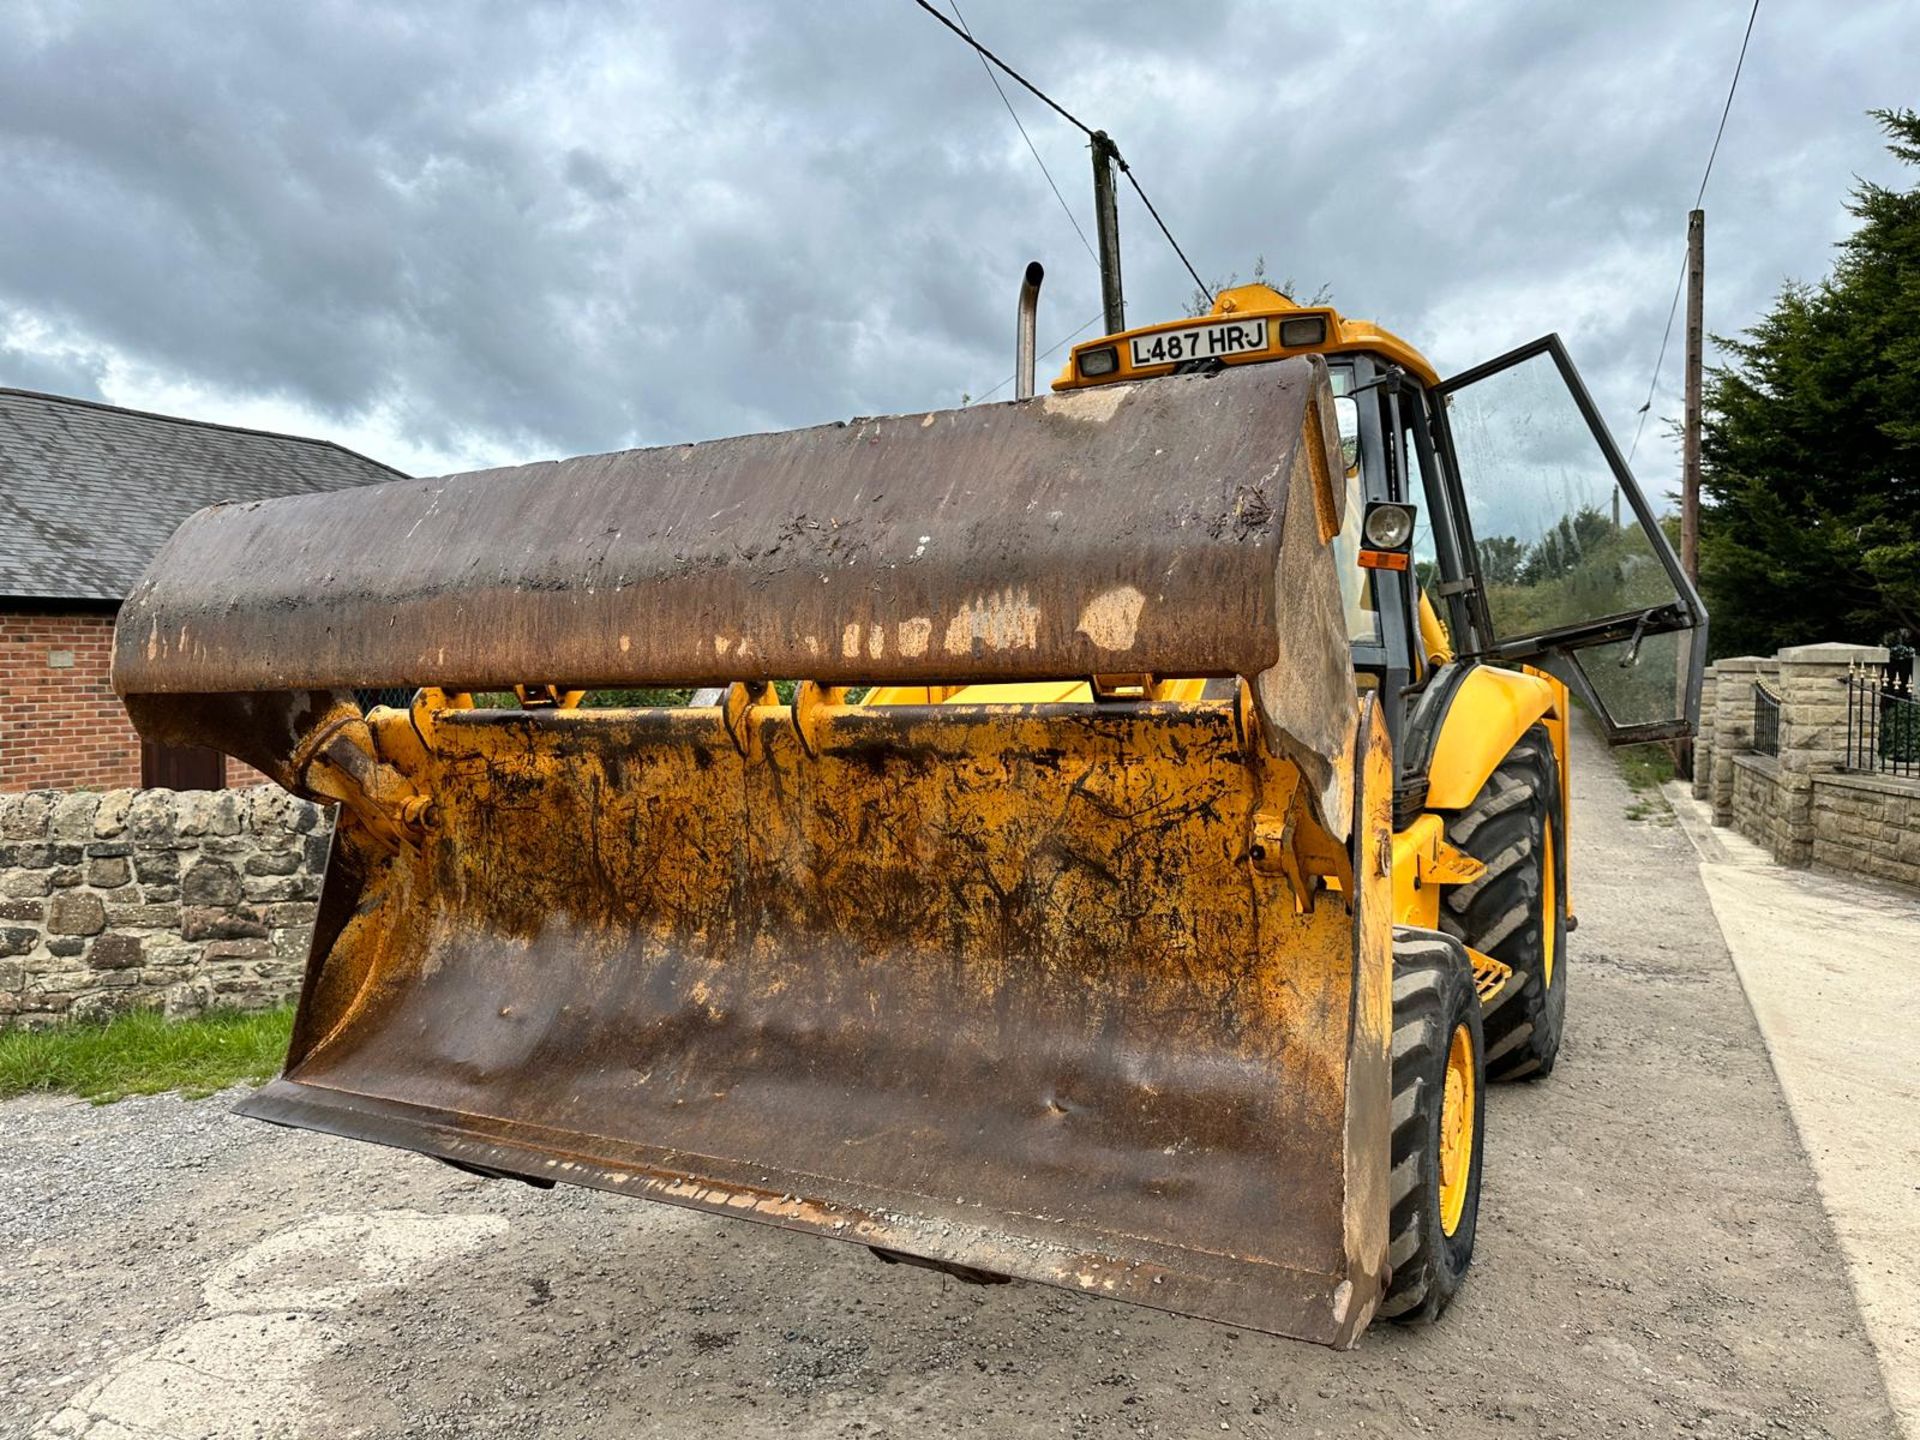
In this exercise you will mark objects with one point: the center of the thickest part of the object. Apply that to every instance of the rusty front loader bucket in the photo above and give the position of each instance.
(1087, 993)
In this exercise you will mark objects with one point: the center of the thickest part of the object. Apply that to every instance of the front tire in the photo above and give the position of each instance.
(1514, 912)
(1439, 1105)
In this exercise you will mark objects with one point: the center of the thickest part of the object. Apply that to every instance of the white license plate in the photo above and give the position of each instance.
(1202, 342)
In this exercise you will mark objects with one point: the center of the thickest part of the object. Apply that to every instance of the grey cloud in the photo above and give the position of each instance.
(512, 230)
(25, 368)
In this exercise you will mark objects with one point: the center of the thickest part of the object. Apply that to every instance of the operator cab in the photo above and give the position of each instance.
(1530, 543)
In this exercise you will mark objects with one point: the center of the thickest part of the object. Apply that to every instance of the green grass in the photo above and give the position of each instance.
(1646, 768)
(142, 1054)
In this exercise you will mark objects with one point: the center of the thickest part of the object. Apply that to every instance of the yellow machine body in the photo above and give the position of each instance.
(989, 941)
(1493, 706)
(1338, 335)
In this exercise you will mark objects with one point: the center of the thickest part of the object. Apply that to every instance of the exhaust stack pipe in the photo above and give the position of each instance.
(1029, 308)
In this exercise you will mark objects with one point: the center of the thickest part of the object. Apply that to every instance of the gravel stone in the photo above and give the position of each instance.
(1653, 1260)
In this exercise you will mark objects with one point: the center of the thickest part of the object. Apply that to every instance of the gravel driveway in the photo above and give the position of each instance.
(1653, 1260)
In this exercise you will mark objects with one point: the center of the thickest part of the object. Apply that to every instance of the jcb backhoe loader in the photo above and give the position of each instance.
(1121, 833)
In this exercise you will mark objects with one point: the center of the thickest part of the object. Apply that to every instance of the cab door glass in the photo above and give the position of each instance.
(1557, 539)
(1356, 583)
(1637, 686)
(1575, 569)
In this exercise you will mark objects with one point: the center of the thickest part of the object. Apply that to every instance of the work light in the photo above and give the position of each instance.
(1307, 330)
(1388, 526)
(1095, 363)
(1386, 536)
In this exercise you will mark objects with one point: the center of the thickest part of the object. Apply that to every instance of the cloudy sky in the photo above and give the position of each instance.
(458, 234)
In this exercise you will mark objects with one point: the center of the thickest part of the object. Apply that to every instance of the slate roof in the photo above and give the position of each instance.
(89, 492)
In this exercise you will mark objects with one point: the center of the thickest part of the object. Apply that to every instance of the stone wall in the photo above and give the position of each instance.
(1756, 802)
(1869, 825)
(1703, 737)
(1727, 729)
(1803, 806)
(122, 899)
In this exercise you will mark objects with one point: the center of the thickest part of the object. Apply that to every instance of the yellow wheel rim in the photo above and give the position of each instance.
(1456, 1130)
(1549, 911)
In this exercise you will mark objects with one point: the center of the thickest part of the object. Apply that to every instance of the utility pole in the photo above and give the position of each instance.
(1690, 444)
(1106, 215)
(1690, 448)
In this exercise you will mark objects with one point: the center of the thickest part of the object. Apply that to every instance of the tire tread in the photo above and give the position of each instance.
(1500, 913)
(1433, 994)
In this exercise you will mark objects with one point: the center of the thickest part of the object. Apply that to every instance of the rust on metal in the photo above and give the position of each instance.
(1175, 527)
(1094, 994)
(996, 986)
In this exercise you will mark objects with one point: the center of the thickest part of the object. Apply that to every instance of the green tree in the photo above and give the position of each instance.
(1811, 443)
(1501, 557)
(1566, 545)
(1583, 568)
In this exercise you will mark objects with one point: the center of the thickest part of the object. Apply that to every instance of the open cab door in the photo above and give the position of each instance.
(1573, 571)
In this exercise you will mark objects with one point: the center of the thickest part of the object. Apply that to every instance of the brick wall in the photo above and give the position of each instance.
(241, 776)
(61, 726)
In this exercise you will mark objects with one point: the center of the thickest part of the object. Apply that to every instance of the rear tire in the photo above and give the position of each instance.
(1513, 912)
(1439, 1106)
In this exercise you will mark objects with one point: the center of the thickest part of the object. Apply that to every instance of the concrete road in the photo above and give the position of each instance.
(1832, 969)
(1654, 1260)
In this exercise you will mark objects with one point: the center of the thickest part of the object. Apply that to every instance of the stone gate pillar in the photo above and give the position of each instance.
(1703, 738)
(1813, 729)
(1729, 725)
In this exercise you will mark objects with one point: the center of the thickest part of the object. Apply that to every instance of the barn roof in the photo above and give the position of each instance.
(88, 492)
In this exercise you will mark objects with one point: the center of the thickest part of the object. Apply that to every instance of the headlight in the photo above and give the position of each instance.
(1308, 330)
(1095, 363)
(1388, 526)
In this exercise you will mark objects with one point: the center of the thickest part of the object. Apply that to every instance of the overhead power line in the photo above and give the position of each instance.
(1132, 179)
(1673, 306)
(1071, 218)
(1044, 354)
(1078, 124)
(1665, 335)
(1034, 89)
(1727, 109)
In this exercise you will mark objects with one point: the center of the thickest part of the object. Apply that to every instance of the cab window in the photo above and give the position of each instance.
(1356, 584)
